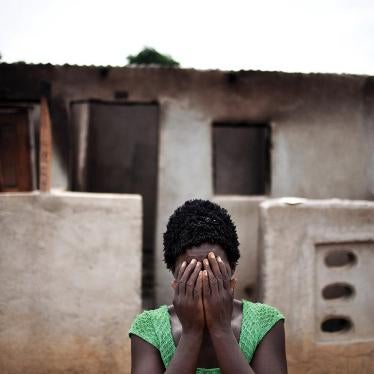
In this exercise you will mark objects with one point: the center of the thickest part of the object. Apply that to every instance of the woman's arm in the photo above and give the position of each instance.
(269, 358)
(218, 299)
(270, 355)
(146, 359)
(188, 306)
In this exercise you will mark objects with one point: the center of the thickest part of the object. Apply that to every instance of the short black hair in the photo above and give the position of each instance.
(197, 222)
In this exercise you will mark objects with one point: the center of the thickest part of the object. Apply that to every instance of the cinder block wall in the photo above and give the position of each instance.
(70, 274)
(317, 262)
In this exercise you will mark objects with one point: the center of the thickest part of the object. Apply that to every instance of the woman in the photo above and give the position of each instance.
(206, 330)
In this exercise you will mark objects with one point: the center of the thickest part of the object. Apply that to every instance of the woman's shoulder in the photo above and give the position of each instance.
(260, 318)
(261, 310)
(150, 316)
(152, 313)
(146, 324)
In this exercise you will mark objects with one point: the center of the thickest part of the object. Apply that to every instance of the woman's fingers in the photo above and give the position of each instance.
(198, 290)
(232, 280)
(191, 281)
(186, 274)
(229, 270)
(225, 276)
(213, 283)
(206, 288)
(181, 270)
(217, 275)
(179, 276)
(222, 267)
(216, 270)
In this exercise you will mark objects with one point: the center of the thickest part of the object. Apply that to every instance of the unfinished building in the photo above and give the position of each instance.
(240, 138)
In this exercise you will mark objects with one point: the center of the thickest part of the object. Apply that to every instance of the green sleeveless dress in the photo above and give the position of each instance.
(154, 327)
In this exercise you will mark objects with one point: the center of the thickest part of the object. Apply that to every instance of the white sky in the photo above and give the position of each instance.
(305, 36)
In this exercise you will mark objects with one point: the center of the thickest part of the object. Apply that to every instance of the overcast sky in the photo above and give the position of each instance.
(304, 36)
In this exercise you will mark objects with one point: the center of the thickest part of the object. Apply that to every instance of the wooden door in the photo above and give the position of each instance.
(15, 162)
(122, 157)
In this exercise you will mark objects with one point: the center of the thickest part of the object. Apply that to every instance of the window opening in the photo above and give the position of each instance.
(241, 158)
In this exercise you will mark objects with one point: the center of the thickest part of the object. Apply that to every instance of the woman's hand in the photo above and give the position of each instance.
(217, 294)
(189, 308)
(187, 300)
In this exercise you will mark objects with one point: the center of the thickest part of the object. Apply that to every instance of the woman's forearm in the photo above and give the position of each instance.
(186, 355)
(230, 358)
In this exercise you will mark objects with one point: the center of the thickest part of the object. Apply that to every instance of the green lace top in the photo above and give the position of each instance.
(154, 327)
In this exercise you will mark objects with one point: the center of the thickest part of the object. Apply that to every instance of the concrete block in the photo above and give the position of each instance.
(70, 274)
(317, 262)
(244, 211)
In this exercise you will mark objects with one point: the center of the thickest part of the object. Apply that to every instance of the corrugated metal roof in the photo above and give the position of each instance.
(158, 67)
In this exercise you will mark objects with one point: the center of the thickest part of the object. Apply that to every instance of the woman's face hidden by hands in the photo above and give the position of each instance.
(200, 253)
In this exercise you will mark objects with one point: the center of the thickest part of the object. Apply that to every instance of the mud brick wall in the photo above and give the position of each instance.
(317, 267)
(70, 274)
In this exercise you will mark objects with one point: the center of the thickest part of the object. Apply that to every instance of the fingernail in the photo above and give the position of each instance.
(211, 254)
(193, 261)
(206, 262)
(183, 264)
(205, 273)
(219, 259)
(200, 273)
(198, 264)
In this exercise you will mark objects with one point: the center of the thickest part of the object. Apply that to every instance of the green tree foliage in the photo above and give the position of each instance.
(150, 56)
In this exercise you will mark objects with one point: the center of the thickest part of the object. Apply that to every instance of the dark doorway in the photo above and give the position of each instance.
(241, 157)
(122, 157)
(15, 156)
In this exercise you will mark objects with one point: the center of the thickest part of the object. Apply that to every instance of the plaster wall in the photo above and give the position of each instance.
(184, 173)
(322, 155)
(368, 123)
(59, 174)
(80, 121)
(70, 276)
(322, 123)
(244, 211)
(295, 242)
